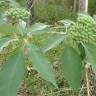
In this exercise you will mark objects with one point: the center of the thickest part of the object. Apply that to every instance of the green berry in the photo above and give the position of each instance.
(18, 13)
(83, 30)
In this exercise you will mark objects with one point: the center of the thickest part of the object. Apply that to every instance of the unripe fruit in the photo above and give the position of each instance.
(84, 30)
(17, 13)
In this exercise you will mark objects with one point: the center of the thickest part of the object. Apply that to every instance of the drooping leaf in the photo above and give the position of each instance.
(3, 40)
(12, 74)
(39, 28)
(90, 50)
(7, 41)
(53, 42)
(41, 64)
(72, 67)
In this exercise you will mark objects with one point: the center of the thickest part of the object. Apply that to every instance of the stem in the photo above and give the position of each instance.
(30, 7)
(63, 33)
(66, 29)
(87, 79)
(26, 41)
(81, 90)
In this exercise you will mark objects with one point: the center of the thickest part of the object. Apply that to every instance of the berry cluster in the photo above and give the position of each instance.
(84, 30)
(17, 13)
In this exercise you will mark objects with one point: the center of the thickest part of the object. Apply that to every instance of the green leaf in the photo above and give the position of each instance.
(90, 50)
(14, 3)
(53, 42)
(41, 64)
(82, 51)
(4, 40)
(38, 29)
(12, 74)
(1, 18)
(6, 29)
(72, 67)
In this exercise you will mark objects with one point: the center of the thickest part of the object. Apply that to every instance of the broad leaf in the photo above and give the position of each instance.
(53, 42)
(90, 50)
(39, 28)
(6, 29)
(41, 64)
(72, 67)
(12, 74)
(4, 40)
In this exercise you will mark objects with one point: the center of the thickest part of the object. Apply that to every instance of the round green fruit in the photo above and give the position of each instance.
(17, 13)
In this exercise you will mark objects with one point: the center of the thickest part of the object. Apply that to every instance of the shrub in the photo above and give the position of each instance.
(51, 13)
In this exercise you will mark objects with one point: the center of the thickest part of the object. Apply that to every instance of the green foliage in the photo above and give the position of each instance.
(90, 50)
(3, 40)
(92, 7)
(13, 72)
(15, 64)
(41, 64)
(38, 29)
(52, 42)
(6, 4)
(51, 13)
(81, 36)
(82, 32)
(72, 67)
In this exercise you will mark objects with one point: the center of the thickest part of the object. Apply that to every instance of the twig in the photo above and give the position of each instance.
(87, 79)
(63, 33)
(81, 90)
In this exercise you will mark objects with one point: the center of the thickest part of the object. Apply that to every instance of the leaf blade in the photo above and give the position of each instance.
(13, 73)
(53, 42)
(90, 50)
(41, 64)
(38, 29)
(72, 67)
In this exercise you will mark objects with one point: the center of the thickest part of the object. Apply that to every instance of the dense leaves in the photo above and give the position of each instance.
(83, 30)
